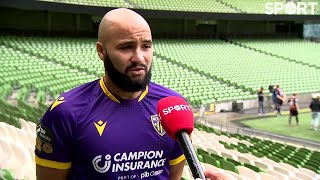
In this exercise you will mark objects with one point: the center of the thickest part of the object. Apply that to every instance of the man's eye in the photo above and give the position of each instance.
(147, 46)
(126, 47)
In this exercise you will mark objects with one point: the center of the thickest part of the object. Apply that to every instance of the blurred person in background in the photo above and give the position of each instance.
(279, 93)
(261, 101)
(293, 108)
(315, 108)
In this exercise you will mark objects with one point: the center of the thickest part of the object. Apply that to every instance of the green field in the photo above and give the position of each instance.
(280, 125)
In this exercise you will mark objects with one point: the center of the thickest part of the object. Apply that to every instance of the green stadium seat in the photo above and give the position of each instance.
(210, 160)
(228, 166)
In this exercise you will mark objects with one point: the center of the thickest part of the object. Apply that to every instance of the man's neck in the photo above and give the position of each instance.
(117, 92)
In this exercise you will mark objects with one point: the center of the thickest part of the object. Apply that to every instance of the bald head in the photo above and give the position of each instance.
(120, 22)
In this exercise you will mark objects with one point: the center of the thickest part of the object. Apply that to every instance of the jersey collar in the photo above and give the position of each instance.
(108, 93)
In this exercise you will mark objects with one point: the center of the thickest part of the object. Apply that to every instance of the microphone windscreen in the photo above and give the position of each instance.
(175, 115)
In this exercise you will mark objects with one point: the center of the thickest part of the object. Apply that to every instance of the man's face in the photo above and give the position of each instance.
(125, 81)
(128, 54)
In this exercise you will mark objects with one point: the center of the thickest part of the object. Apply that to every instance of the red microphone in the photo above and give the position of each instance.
(177, 120)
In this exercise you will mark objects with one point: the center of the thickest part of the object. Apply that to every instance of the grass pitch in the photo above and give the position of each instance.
(280, 125)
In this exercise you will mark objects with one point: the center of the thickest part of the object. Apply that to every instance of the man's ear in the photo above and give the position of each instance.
(99, 48)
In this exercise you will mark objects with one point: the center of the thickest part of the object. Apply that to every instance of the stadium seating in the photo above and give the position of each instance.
(35, 67)
(188, 5)
(197, 88)
(13, 145)
(37, 73)
(272, 170)
(201, 69)
(258, 7)
(57, 56)
(286, 48)
(275, 168)
(224, 61)
(6, 174)
(106, 3)
(220, 6)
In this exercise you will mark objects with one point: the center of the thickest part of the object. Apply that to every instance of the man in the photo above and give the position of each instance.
(293, 108)
(280, 99)
(272, 90)
(109, 128)
(315, 108)
(261, 101)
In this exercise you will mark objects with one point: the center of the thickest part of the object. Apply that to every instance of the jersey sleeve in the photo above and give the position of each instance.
(54, 137)
(176, 155)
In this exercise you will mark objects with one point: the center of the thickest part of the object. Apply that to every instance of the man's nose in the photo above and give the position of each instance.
(138, 56)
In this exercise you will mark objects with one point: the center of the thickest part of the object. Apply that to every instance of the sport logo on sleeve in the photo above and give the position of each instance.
(44, 139)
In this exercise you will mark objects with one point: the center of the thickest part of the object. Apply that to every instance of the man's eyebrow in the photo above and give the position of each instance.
(147, 41)
(126, 42)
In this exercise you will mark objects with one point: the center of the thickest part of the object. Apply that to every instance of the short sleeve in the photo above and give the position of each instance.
(177, 155)
(54, 138)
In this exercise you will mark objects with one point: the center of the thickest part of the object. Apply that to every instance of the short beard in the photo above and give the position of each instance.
(123, 81)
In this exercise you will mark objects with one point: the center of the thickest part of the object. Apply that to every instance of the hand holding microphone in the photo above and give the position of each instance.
(177, 120)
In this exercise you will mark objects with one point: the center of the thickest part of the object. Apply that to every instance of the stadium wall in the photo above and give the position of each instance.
(30, 20)
(70, 18)
(80, 24)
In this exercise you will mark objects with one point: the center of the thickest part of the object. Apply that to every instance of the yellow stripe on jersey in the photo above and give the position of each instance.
(107, 92)
(177, 160)
(145, 92)
(52, 164)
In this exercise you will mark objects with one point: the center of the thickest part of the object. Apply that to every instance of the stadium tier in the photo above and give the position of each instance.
(74, 61)
(204, 71)
(239, 156)
(290, 49)
(258, 7)
(243, 67)
(197, 88)
(219, 6)
(28, 70)
(187, 5)
(102, 3)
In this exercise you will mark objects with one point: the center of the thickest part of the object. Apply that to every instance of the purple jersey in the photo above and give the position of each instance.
(100, 136)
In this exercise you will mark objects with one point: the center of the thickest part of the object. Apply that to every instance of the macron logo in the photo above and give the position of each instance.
(181, 107)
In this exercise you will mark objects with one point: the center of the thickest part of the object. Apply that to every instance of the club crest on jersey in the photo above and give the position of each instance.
(155, 121)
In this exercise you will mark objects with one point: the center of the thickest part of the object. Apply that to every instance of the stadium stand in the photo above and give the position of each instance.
(258, 7)
(108, 3)
(289, 49)
(38, 73)
(206, 140)
(217, 6)
(36, 69)
(212, 57)
(198, 89)
(77, 56)
(188, 5)
(197, 57)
